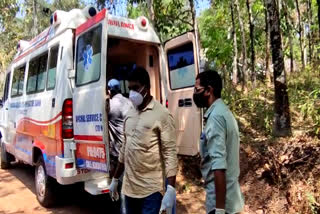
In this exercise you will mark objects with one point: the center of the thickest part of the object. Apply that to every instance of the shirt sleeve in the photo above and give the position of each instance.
(123, 146)
(216, 142)
(169, 147)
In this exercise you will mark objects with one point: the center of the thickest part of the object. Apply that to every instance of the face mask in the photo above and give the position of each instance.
(136, 97)
(199, 99)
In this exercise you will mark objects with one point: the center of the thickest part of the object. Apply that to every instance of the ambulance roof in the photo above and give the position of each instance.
(134, 29)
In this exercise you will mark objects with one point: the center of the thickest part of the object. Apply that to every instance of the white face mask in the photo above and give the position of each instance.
(136, 97)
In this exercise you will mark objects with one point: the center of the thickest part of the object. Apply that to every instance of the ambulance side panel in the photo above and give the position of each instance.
(35, 116)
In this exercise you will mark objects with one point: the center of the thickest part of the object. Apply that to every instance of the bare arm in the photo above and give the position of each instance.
(220, 186)
(172, 181)
(119, 170)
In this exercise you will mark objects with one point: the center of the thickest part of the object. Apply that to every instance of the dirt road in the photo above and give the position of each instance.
(17, 196)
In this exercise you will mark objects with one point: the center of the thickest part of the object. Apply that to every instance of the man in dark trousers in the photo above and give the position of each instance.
(148, 156)
(219, 147)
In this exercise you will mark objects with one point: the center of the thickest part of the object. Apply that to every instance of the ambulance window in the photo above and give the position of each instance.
(51, 81)
(37, 74)
(17, 81)
(41, 79)
(6, 88)
(32, 76)
(181, 66)
(88, 64)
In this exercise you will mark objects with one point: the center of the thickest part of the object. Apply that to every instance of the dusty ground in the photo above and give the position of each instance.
(286, 181)
(17, 196)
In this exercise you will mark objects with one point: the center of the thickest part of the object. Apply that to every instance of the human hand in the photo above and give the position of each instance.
(114, 189)
(168, 199)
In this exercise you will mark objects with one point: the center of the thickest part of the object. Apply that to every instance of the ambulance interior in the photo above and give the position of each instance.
(125, 55)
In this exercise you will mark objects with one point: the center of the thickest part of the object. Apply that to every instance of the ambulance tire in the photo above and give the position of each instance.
(6, 158)
(45, 185)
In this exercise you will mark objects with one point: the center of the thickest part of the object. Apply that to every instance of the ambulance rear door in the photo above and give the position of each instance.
(89, 95)
(182, 69)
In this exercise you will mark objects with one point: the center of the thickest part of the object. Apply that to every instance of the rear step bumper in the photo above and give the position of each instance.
(64, 174)
(97, 187)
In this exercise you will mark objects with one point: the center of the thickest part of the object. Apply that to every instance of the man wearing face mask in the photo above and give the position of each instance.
(148, 155)
(219, 147)
(117, 113)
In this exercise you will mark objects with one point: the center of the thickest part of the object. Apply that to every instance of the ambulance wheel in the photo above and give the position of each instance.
(44, 185)
(6, 158)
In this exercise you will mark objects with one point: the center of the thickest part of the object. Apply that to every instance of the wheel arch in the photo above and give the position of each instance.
(36, 153)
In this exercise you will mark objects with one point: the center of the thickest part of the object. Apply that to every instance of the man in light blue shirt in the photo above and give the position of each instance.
(219, 147)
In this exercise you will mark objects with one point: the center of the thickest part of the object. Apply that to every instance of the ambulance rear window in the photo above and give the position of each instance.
(88, 64)
(181, 66)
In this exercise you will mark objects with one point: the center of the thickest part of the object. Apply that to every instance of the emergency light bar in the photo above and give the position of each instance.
(89, 11)
(143, 23)
(58, 15)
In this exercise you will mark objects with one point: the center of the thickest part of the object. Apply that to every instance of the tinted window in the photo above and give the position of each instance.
(181, 66)
(18, 81)
(89, 57)
(32, 76)
(51, 82)
(37, 74)
(6, 88)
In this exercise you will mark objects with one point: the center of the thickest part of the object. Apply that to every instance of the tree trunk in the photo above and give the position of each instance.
(300, 35)
(289, 34)
(35, 30)
(282, 123)
(310, 32)
(267, 31)
(253, 56)
(196, 31)
(318, 3)
(235, 47)
(151, 10)
(244, 48)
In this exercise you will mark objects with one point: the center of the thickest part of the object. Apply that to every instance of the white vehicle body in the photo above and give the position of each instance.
(55, 92)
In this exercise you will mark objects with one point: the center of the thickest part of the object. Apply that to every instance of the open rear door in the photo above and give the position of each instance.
(182, 69)
(89, 94)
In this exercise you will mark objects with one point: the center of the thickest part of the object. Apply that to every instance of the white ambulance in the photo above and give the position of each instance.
(53, 108)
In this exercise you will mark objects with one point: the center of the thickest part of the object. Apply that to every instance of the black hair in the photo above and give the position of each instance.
(139, 74)
(213, 79)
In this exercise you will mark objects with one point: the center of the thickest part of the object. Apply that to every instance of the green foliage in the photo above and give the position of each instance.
(214, 30)
(254, 110)
(170, 17)
(135, 11)
(304, 94)
(314, 206)
(14, 28)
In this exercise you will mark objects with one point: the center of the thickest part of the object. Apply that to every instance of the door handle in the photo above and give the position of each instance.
(187, 102)
(53, 102)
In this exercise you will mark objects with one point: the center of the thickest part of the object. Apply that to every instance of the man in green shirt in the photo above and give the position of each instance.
(219, 147)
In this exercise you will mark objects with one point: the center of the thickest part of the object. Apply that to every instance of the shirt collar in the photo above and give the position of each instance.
(149, 106)
(210, 109)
